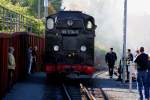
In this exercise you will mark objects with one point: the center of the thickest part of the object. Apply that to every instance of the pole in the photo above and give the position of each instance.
(124, 39)
(46, 11)
(46, 8)
(130, 79)
(39, 9)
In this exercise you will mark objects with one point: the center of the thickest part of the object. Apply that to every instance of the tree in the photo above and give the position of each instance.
(14, 1)
(32, 5)
(56, 4)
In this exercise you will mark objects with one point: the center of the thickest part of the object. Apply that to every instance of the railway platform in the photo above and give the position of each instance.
(116, 90)
(34, 88)
(29, 89)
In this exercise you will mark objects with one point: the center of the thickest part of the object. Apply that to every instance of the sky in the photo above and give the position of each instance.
(139, 6)
(109, 19)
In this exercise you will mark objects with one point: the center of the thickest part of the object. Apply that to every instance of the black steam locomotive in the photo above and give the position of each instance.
(69, 43)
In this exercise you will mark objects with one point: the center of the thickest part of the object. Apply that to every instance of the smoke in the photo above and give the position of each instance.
(107, 16)
(138, 30)
(109, 19)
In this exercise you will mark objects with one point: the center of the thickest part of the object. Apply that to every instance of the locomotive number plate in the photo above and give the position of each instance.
(70, 32)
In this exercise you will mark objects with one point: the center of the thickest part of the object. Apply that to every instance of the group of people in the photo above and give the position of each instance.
(31, 59)
(142, 61)
(31, 63)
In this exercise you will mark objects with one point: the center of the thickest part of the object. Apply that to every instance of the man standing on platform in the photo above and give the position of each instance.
(142, 67)
(129, 61)
(11, 67)
(110, 59)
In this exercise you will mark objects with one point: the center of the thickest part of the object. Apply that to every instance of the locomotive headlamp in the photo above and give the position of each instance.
(89, 25)
(83, 48)
(56, 48)
(50, 23)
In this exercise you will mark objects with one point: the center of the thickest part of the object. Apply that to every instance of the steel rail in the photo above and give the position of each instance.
(66, 92)
(88, 94)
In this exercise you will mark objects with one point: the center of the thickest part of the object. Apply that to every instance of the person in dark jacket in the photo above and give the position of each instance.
(129, 60)
(148, 78)
(129, 55)
(142, 66)
(110, 59)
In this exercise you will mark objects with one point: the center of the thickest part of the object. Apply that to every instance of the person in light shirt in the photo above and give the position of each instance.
(11, 67)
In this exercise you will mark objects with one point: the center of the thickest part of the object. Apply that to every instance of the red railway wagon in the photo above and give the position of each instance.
(18, 41)
(21, 41)
(41, 51)
(4, 44)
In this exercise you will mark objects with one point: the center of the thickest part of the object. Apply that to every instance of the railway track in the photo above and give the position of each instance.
(92, 93)
(80, 92)
(74, 90)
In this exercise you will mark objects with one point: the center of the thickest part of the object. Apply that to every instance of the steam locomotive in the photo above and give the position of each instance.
(69, 43)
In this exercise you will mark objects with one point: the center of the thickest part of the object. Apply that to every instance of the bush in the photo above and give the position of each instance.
(37, 24)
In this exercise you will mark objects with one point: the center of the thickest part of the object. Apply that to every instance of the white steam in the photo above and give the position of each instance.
(109, 19)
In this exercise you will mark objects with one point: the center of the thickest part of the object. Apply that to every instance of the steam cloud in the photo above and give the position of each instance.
(109, 19)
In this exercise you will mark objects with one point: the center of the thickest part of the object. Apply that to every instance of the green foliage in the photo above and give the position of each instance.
(33, 7)
(56, 3)
(16, 8)
(37, 24)
(29, 9)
